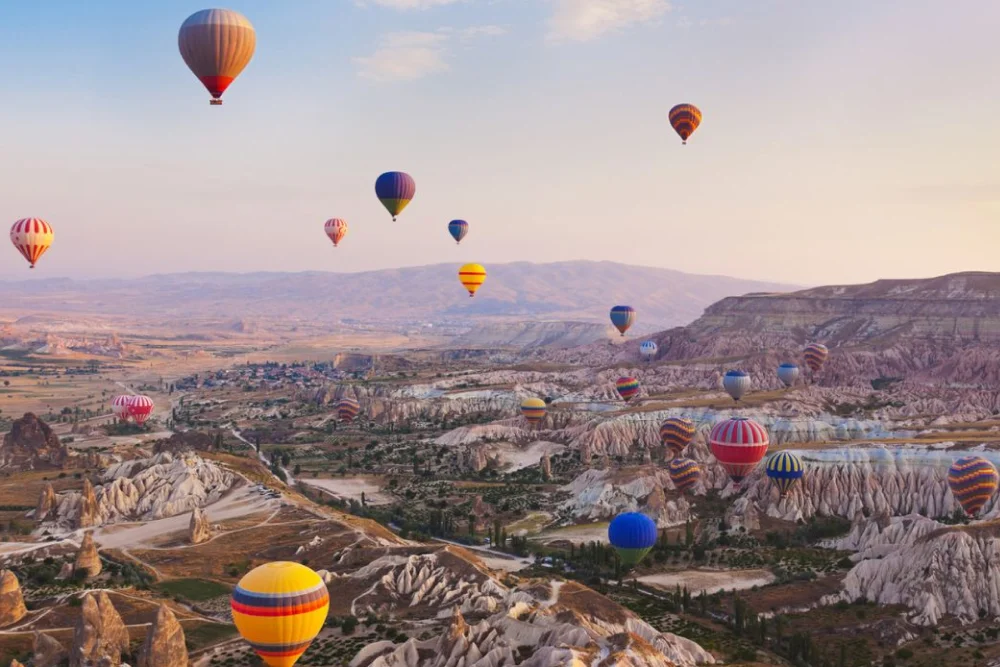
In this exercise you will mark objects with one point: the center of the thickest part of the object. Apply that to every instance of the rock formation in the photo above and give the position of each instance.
(12, 607)
(602, 494)
(100, 634)
(87, 559)
(546, 465)
(199, 529)
(47, 652)
(164, 645)
(86, 507)
(46, 502)
(31, 445)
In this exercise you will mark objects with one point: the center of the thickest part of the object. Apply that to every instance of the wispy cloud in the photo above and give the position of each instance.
(583, 20)
(407, 4)
(404, 56)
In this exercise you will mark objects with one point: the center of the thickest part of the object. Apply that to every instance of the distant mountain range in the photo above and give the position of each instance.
(579, 290)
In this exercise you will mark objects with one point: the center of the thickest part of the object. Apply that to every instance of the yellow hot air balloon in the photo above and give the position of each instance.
(472, 277)
(279, 608)
(534, 410)
(32, 237)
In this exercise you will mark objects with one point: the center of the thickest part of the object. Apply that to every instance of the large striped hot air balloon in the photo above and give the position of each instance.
(788, 374)
(217, 44)
(279, 608)
(973, 481)
(458, 229)
(395, 189)
(738, 444)
(784, 469)
(119, 406)
(347, 409)
(622, 317)
(676, 434)
(815, 355)
(648, 349)
(685, 119)
(628, 388)
(632, 535)
(684, 473)
(533, 410)
(472, 277)
(32, 237)
(336, 229)
(139, 409)
(736, 383)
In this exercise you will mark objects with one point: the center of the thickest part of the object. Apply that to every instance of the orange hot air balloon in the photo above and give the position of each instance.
(336, 229)
(472, 277)
(685, 119)
(216, 44)
(32, 237)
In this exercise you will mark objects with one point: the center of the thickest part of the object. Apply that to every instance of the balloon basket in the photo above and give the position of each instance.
(215, 101)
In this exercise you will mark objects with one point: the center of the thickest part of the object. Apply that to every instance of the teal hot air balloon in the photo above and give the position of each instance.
(785, 470)
(395, 189)
(632, 535)
(622, 317)
(458, 229)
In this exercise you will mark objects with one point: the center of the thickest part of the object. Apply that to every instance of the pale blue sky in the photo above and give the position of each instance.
(842, 141)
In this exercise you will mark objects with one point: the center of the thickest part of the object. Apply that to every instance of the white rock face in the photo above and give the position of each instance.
(602, 494)
(153, 488)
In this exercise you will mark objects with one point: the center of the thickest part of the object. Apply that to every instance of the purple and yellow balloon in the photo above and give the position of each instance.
(395, 189)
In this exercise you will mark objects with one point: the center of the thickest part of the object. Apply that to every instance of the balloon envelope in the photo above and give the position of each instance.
(788, 374)
(395, 189)
(632, 535)
(119, 406)
(738, 444)
(685, 119)
(217, 44)
(533, 410)
(472, 277)
(32, 237)
(736, 383)
(622, 317)
(815, 355)
(684, 473)
(648, 349)
(784, 469)
(973, 481)
(458, 229)
(139, 409)
(628, 388)
(676, 434)
(336, 229)
(347, 410)
(279, 608)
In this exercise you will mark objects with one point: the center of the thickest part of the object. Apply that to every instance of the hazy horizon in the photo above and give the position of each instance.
(840, 144)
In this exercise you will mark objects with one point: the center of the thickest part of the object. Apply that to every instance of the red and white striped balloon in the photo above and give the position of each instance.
(119, 406)
(336, 229)
(139, 409)
(738, 444)
(32, 237)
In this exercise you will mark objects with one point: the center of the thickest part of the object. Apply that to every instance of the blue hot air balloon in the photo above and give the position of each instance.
(395, 189)
(622, 317)
(648, 349)
(632, 535)
(736, 383)
(788, 374)
(458, 229)
(784, 469)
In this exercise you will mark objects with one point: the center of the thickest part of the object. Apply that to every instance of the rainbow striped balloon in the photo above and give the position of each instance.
(784, 469)
(815, 355)
(628, 388)
(684, 473)
(347, 409)
(973, 480)
(676, 434)
(533, 410)
(279, 608)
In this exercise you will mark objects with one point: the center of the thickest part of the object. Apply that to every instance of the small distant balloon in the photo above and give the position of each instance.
(458, 229)
(336, 229)
(32, 237)
(648, 349)
(738, 444)
(622, 317)
(217, 44)
(533, 410)
(684, 473)
(395, 189)
(973, 480)
(472, 277)
(676, 434)
(788, 374)
(785, 470)
(815, 355)
(685, 119)
(632, 535)
(347, 409)
(628, 388)
(736, 384)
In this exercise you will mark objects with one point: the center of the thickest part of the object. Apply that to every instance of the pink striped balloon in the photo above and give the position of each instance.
(32, 237)
(139, 409)
(738, 444)
(119, 406)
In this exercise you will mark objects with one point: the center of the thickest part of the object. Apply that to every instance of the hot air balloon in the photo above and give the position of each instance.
(676, 434)
(685, 119)
(336, 229)
(279, 608)
(472, 277)
(784, 469)
(973, 481)
(395, 189)
(119, 406)
(347, 409)
(684, 473)
(458, 229)
(628, 388)
(216, 44)
(32, 237)
(815, 355)
(533, 410)
(632, 535)
(788, 374)
(736, 383)
(139, 409)
(738, 444)
(622, 317)
(648, 349)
